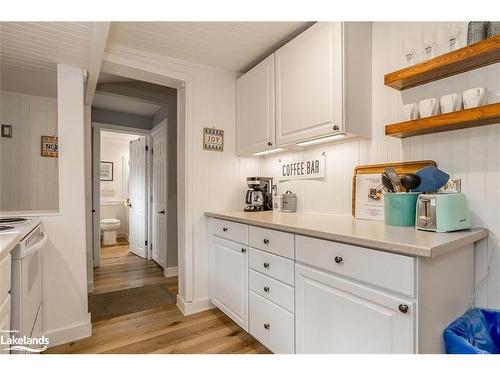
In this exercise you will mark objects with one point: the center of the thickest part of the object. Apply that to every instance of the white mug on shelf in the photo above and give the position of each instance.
(410, 112)
(428, 107)
(474, 97)
(451, 103)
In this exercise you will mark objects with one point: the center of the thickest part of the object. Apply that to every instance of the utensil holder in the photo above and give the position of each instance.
(400, 208)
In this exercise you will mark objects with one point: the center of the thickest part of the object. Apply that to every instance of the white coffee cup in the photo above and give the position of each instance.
(450, 103)
(474, 97)
(410, 112)
(428, 107)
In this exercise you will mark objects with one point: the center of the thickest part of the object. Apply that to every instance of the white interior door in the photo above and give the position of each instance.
(160, 195)
(137, 197)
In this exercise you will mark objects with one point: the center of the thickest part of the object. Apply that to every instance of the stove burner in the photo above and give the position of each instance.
(9, 220)
(5, 227)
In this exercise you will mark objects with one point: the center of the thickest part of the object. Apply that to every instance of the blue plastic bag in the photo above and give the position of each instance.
(475, 332)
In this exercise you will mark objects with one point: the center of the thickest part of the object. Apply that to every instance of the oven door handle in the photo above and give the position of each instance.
(39, 244)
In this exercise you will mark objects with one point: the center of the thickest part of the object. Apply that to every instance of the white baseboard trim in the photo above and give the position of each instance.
(189, 308)
(68, 334)
(171, 271)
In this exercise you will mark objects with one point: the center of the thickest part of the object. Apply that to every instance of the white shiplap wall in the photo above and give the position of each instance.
(28, 181)
(472, 155)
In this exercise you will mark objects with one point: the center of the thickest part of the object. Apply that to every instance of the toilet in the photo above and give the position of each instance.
(109, 228)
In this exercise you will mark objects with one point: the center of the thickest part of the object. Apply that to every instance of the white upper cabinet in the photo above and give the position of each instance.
(323, 83)
(309, 84)
(255, 103)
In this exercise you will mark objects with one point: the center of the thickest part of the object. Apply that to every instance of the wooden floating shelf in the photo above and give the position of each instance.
(468, 118)
(474, 56)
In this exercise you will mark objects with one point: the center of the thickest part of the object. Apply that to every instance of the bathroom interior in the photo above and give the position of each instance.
(114, 187)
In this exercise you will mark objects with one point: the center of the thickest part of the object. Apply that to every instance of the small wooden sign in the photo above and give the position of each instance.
(50, 146)
(213, 139)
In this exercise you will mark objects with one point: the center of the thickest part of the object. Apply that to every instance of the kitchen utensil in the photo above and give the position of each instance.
(444, 212)
(428, 107)
(476, 31)
(386, 181)
(410, 112)
(450, 103)
(410, 181)
(289, 202)
(431, 179)
(395, 180)
(399, 209)
(473, 97)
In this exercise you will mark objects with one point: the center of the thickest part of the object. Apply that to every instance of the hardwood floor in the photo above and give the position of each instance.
(159, 330)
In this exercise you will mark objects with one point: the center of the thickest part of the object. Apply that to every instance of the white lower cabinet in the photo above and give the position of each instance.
(334, 315)
(229, 279)
(272, 325)
(5, 306)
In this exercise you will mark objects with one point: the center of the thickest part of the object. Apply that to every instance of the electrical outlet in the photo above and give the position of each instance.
(454, 185)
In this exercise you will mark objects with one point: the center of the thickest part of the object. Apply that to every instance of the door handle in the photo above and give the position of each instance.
(161, 212)
(129, 204)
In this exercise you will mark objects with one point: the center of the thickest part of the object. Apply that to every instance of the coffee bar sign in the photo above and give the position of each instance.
(302, 168)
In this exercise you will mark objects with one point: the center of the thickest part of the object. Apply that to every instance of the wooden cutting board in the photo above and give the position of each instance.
(403, 167)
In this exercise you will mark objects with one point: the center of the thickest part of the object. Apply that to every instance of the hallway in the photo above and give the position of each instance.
(162, 329)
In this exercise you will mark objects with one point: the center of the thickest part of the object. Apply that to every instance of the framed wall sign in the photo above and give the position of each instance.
(6, 131)
(213, 139)
(106, 171)
(302, 168)
(50, 146)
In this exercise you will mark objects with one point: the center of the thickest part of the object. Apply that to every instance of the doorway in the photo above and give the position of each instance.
(134, 210)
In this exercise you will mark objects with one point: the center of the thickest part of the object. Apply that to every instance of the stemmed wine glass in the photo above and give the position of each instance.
(408, 47)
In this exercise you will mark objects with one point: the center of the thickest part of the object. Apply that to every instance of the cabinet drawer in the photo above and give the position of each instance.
(271, 325)
(279, 243)
(5, 267)
(271, 289)
(272, 265)
(229, 229)
(389, 271)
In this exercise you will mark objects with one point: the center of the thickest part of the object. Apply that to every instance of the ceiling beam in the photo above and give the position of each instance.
(139, 90)
(99, 39)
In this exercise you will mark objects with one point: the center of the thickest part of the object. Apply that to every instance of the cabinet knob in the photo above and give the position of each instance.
(403, 308)
(224, 229)
(243, 250)
(336, 128)
(269, 143)
(267, 326)
(266, 265)
(338, 260)
(266, 241)
(266, 289)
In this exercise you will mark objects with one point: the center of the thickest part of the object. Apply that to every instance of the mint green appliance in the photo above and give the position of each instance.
(444, 212)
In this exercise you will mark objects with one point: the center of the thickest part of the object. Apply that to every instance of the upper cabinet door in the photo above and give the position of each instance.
(309, 84)
(337, 316)
(255, 103)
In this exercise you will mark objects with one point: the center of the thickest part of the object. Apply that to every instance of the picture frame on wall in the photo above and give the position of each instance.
(106, 171)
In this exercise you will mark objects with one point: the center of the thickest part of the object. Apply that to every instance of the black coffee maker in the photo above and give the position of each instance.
(259, 196)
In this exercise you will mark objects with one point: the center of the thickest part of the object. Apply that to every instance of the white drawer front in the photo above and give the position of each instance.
(272, 265)
(279, 243)
(271, 289)
(390, 271)
(229, 229)
(271, 325)
(5, 267)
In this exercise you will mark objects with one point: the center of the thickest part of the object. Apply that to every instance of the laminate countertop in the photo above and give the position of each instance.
(366, 233)
(8, 242)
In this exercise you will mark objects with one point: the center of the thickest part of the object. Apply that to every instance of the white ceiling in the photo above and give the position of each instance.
(124, 104)
(235, 46)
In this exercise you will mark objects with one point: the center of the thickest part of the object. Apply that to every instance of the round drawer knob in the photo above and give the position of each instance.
(266, 241)
(266, 289)
(269, 143)
(224, 229)
(243, 250)
(266, 265)
(338, 260)
(267, 326)
(403, 308)
(336, 128)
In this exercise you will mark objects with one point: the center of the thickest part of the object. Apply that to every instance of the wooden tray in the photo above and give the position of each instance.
(403, 167)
